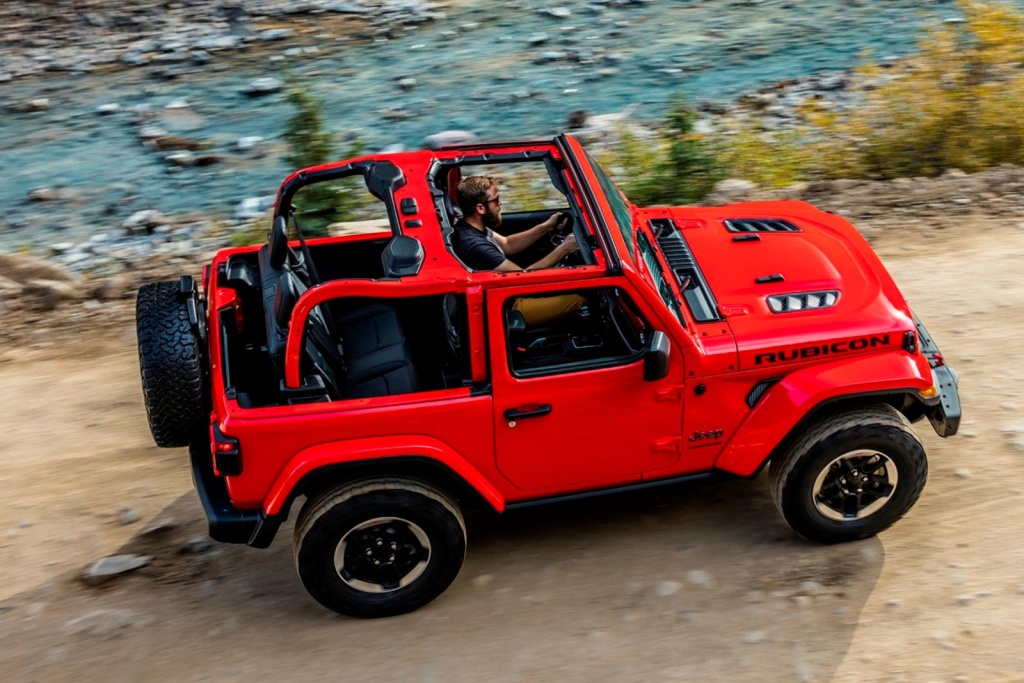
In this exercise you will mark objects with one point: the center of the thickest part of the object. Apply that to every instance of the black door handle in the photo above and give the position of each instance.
(517, 414)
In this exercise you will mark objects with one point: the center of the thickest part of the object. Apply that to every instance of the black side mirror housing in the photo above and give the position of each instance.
(656, 357)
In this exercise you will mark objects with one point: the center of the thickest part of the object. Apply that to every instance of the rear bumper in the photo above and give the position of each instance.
(944, 411)
(227, 523)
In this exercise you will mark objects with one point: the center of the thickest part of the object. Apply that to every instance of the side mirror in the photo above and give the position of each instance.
(656, 357)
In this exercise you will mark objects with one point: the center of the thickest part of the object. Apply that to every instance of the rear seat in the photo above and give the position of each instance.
(375, 356)
(367, 357)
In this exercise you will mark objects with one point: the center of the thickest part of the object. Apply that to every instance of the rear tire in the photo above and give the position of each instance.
(850, 476)
(170, 360)
(379, 547)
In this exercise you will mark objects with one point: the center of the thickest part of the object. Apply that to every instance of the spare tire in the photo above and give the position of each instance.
(171, 362)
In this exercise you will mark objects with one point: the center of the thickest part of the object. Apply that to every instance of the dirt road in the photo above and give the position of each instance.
(684, 585)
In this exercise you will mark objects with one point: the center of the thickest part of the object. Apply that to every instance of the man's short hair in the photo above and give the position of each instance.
(473, 191)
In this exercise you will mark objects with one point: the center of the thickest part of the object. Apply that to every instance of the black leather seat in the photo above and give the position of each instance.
(365, 354)
(375, 355)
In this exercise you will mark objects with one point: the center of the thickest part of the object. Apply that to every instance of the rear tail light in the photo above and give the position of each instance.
(227, 454)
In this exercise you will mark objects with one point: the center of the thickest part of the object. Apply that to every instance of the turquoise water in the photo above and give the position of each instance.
(474, 70)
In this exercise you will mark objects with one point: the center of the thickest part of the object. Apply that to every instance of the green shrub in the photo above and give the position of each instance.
(252, 233)
(953, 104)
(678, 167)
(310, 144)
(770, 160)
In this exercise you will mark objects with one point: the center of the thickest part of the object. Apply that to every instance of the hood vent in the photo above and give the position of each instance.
(784, 303)
(691, 280)
(676, 252)
(759, 225)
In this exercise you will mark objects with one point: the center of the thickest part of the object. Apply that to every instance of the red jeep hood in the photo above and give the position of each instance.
(826, 255)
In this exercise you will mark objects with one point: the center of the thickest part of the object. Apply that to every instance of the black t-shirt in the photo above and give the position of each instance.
(476, 249)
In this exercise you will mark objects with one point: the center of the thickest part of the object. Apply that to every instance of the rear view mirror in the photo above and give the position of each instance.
(656, 356)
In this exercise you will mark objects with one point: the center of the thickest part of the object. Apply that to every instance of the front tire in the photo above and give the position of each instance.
(379, 547)
(850, 476)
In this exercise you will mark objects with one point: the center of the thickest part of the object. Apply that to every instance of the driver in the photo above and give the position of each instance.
(479, 247)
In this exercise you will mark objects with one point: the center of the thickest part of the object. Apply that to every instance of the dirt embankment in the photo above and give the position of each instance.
(699, 584)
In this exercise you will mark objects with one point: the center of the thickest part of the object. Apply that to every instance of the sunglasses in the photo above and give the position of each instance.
(491, 201)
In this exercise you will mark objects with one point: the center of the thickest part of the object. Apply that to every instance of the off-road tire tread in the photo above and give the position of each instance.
(170, 361)
(321, 505)
(865, 418)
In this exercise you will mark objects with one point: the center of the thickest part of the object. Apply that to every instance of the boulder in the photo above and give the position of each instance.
(42, 194)
(449, 137)
(143, 222)
(108, 568)
(248, 142)
(253, 207)
(275, 34)
(576, 119)
(165, 142)
(259, 87)
(731, 190)
(182, 158)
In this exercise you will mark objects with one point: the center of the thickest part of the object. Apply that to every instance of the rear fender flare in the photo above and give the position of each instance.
(794, 397)
(351, 451)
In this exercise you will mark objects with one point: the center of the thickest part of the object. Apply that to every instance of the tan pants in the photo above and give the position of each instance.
(540, 310)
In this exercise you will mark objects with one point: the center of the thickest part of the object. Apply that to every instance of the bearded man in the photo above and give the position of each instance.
(480, 248)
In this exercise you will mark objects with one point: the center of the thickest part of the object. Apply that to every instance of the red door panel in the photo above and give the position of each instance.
(571, 430)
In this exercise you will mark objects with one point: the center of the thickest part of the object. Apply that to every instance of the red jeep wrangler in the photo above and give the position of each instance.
(391, 387)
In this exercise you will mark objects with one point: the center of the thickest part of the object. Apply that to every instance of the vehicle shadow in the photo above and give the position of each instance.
(687, 583)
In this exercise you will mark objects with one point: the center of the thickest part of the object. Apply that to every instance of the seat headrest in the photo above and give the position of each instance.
(278, 240)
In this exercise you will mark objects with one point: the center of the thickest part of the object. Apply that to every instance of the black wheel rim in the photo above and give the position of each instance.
(382, 555)
(855, 485)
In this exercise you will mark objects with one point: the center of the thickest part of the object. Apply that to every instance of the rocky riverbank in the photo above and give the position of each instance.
(164, 145)
(82, 36)
(116, 114)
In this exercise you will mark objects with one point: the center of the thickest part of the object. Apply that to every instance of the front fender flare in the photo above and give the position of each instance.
(376, 448)
(797, 394)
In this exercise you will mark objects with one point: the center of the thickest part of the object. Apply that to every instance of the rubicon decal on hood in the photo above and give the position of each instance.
(802, 352)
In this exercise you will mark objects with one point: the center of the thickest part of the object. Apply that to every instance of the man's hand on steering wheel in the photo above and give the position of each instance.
(562, 222)
(553, 224)
(568, 246)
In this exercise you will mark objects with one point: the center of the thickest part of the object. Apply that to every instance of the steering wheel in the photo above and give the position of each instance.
(559, 234)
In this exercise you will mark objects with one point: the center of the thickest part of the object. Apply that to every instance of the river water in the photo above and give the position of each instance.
(502, 70)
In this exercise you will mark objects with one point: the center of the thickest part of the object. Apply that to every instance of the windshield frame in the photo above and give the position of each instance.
(621, 207)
